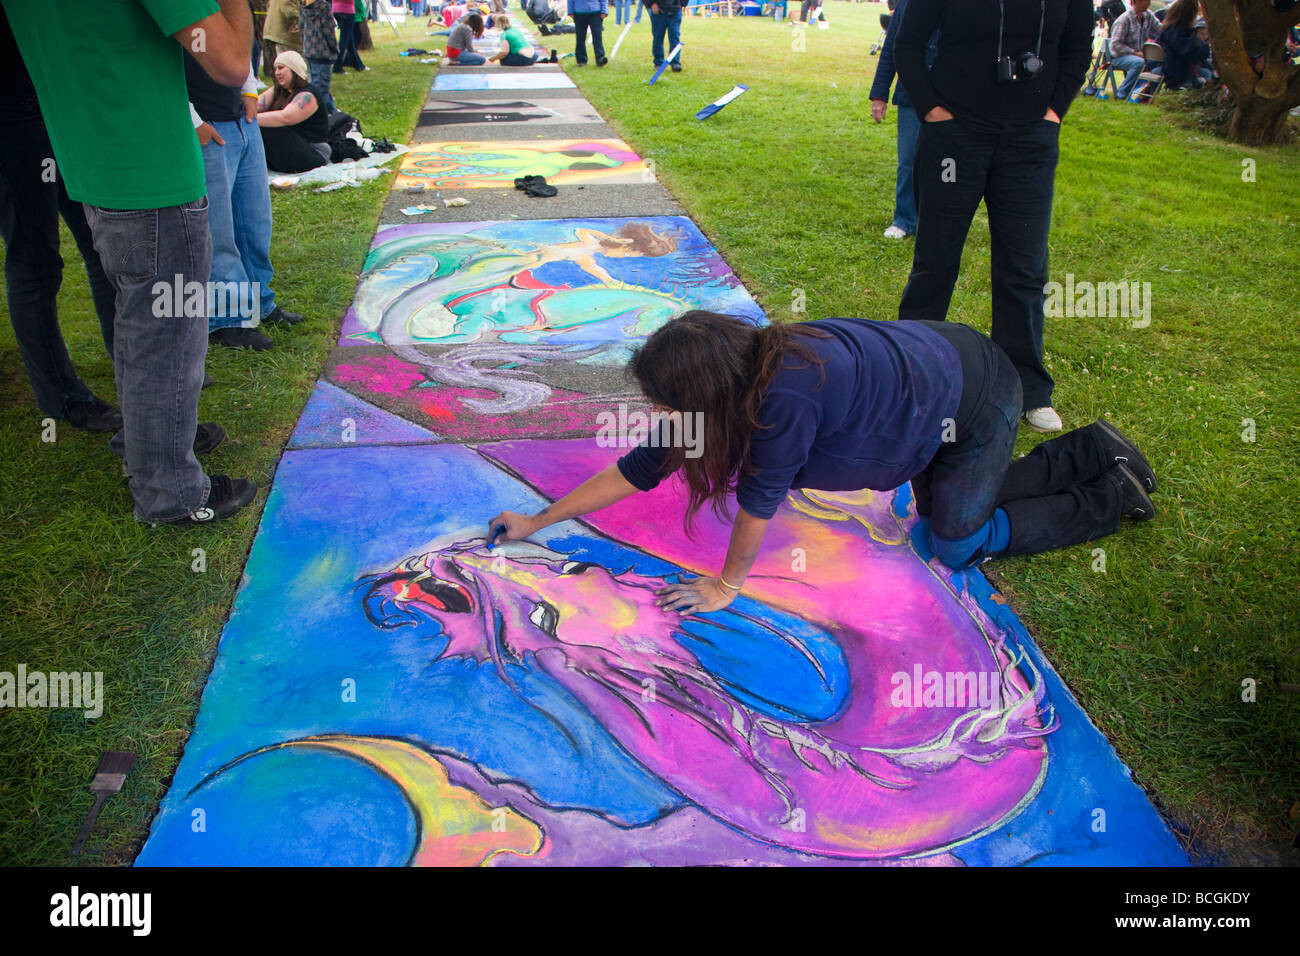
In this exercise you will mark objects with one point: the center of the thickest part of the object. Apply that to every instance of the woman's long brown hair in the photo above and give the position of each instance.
(281, 97)
(721, 366)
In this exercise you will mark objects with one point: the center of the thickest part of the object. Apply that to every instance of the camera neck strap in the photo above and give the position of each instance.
(1042, 18)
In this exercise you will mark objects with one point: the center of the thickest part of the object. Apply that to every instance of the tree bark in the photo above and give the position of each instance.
(1240, 30)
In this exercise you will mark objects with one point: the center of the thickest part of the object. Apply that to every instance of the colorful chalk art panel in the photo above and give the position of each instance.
(568, 282)
(389, 691)
(497, 163)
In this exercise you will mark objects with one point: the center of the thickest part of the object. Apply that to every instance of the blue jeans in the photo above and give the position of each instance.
(659, 23)
(348, 55)
(469, 58)
(29, 225)
(623, 11)
(320, 73)
(239, 219)
(909, 125)
(639, 7)
(1132, 65)
(157, 359)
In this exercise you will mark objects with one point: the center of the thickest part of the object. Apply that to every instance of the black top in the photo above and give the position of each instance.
(315, 128)
(963, 78)
(215, 103)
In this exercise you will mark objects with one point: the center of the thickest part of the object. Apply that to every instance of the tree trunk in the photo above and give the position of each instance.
(1246, 35)
(1259, 122)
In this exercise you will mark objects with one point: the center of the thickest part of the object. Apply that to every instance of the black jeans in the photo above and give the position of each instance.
(287, 151)
(594, 23)
(30, 205)
(984, 503)
(348, 55)
(958, 163)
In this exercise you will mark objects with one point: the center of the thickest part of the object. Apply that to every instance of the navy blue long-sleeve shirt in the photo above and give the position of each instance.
(875, 422)
(885, 69)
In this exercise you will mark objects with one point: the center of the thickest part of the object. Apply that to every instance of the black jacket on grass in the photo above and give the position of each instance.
(963, 78)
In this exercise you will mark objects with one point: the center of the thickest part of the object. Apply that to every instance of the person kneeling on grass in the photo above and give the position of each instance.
(294, 125)
(515, 48)
(460, 42)
(846, 404)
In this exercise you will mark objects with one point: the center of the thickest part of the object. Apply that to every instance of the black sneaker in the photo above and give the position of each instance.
(1122, 451)
(555, 57)
(95, 415)
(677, 67)
(241, 338)
(1136, 503)
(207, 437)
(280, 315)
(225, 497)
(602, 61)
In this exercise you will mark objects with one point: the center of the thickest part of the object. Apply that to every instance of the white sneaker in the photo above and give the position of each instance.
(893, 232)
(1044, 419)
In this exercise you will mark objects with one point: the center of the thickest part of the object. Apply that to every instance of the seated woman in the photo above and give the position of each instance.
(1186, 54)
(842, 404)
(515, 48)
(460, 43)
(294, 125)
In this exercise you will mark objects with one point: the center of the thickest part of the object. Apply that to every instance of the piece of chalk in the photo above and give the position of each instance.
(496, 533)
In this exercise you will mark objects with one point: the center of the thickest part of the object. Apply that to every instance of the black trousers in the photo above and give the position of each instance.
(287, 151)
(32, 196)
(957, 164)
(592, 22)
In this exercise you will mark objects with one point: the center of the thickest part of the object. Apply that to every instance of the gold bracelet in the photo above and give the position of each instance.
(723, 582)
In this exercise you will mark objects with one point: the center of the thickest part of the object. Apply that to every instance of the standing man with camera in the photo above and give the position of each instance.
(991, 109)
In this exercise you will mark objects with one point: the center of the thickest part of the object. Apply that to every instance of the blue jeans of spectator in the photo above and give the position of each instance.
(1014, 172)
(639, 6)
(595, 23)
(157, 359)
(909, 125)
(518, 59)
(29, 224)
(661, 23)
(622, 11)
(1132, 65)
(348, 55)
(320, 72)
(469, 58)
(239, 220)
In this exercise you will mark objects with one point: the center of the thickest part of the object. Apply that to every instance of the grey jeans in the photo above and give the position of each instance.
(158, 351)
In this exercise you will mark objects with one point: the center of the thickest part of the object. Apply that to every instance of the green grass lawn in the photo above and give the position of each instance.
(794, 184)
(89, 589)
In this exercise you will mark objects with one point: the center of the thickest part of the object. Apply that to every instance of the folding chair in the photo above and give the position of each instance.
(880, 40)
(1101, 70)
(1149, 82)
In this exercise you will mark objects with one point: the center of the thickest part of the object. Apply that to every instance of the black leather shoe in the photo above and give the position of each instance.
(280, 315)
(1122, 451)
(1136, 502)
(240, 338)
(207, 437)
(225, 497)
(602, 61)
(677, 68)
(95, 415)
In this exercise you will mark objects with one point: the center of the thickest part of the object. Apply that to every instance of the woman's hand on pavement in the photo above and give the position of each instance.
(697, 596)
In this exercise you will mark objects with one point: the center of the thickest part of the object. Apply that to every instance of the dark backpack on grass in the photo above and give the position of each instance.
(341, 146)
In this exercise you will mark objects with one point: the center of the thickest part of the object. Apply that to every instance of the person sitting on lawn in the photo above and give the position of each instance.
(546, 18)
(1186, 54)
(1132, 29)
(847, 404)
(515, 48)
(460, 42)
(294, 126)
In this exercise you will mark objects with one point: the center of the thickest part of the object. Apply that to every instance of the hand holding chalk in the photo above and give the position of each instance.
(511, 525)
(496, 533)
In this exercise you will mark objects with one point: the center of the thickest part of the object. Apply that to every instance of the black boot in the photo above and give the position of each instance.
(1088, 510)
(1060, 463)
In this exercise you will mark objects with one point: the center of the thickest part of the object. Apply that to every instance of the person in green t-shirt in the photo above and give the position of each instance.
(515, 48)
(139, 173)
